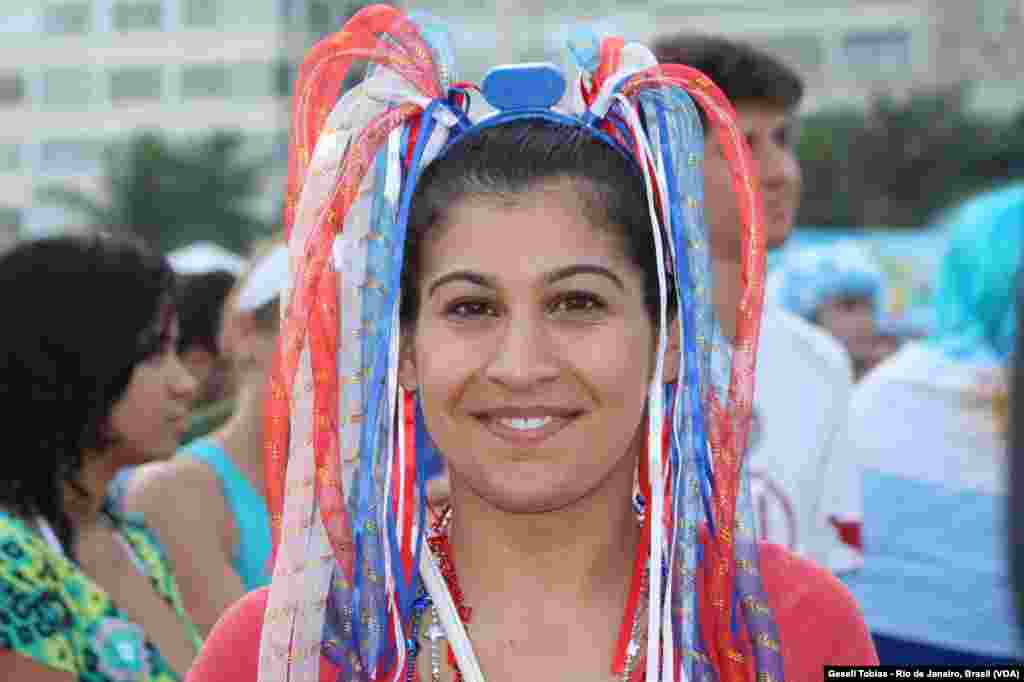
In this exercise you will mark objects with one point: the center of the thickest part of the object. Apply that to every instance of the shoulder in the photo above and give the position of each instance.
(14, 530)
(178, 478)
(37, 584)
(24, 555)
(913, 365)
(231, 651)
(820, 623)
(23, 558)
(782, 331)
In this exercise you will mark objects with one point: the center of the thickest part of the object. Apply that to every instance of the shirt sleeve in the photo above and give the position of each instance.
(820, 623)
(231, 651)
(35, 619)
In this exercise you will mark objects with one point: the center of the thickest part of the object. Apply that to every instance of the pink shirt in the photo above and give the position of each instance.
(819, 624)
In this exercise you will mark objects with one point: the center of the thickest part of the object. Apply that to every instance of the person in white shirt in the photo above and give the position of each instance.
(805, 498)
(929, 426)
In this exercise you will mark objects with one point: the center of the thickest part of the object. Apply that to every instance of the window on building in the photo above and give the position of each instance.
(201, 13)
(804, 52)
(284, 78)
(67, 18)
(70, 155)
(67, 88)
(10, 157)
(281, 141)
(18, 21)
(204, 80)
(250, 13)
(252, 79)
(994, 16)
(877, 53)
(321, 18)
(12, 89)
(10, 219)
(136, 83)
(138, 16)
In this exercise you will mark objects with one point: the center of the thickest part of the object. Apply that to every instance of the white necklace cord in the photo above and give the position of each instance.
(455, 631)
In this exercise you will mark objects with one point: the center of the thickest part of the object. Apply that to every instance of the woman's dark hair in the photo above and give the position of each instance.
(509, 159)
(84, 311)
(200, 303)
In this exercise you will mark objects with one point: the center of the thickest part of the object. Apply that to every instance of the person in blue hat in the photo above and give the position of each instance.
(929, 428)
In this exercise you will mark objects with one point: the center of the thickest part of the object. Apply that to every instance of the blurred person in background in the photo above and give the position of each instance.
(207, 274)
(805, 497)
(208, 504)
(1016, 434)
(91, 382)
(200, 301)
(929, 427)
(839, 288)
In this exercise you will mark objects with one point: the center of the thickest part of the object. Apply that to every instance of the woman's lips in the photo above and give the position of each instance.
(526, 430)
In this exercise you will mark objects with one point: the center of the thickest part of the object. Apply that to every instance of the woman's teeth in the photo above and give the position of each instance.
(525, 424)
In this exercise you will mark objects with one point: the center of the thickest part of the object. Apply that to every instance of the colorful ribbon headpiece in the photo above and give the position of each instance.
(347, 503)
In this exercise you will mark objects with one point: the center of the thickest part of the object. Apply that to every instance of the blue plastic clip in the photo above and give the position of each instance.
(523, 86)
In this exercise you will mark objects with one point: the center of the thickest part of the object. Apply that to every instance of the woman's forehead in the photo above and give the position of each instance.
(535, 232)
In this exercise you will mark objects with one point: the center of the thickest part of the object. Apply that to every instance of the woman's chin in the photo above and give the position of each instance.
(526, 497)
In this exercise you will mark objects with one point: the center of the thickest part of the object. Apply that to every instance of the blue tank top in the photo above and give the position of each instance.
(249, 508)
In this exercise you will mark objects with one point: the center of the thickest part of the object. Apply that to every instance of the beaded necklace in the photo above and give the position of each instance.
(439, 543)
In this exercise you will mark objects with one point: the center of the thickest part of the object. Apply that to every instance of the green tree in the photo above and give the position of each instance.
(174, 194)
(900, 163)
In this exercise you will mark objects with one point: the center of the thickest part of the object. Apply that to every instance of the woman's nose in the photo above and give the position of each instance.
(524, 356)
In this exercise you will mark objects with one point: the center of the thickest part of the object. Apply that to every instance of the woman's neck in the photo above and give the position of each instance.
(727, 290)
(84, 503)
(242, 434)
(580, 556)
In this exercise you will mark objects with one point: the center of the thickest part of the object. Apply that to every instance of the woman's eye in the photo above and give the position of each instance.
(470, 309)
(577, 304)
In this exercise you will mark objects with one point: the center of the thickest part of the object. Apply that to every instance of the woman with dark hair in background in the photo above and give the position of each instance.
(90, 382)
(200, 302)
(207, 503)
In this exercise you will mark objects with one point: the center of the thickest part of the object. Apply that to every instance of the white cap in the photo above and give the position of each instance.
(201, 257)
(265, 282)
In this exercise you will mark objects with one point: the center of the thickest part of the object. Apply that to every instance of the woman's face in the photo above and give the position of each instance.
(532, 350)
(851, 319)
(149, 419)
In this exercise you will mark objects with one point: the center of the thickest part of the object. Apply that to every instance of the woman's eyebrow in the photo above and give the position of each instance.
(466, 275)
(573, 270)
(550, 278)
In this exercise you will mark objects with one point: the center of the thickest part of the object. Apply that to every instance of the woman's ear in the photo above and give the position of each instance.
(408, 377)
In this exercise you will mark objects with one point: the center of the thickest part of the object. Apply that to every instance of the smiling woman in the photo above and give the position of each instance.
(534, 286)
(88, 387)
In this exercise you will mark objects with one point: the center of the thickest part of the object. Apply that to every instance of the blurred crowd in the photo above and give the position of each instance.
(135, 388)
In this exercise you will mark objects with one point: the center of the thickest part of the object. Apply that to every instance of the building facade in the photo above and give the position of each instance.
(76, 75)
